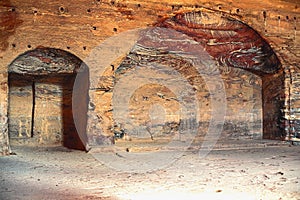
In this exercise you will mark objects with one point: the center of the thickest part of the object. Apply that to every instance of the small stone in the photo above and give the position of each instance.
(280, 173)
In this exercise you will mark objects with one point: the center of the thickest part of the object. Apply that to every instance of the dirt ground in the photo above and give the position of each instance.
(233, 170)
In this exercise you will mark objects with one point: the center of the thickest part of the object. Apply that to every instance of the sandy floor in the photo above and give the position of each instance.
(260, 170)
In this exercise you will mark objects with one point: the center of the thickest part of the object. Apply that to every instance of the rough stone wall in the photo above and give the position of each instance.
(244, 117)
(48, 122)
(78, 29)
(20, 107)
(291, 111)
(273, 103)
(243, 90)
(4, 137)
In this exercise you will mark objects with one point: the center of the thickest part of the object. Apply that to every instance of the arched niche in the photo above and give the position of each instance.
(252, 74)
(235, 45)
(40, 109)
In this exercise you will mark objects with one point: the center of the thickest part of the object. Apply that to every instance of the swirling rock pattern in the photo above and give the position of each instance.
(236, 45)
(229, 41)
(44, 61)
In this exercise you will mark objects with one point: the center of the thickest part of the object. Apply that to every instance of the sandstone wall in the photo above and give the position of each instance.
(80, 26)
